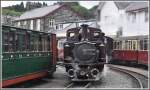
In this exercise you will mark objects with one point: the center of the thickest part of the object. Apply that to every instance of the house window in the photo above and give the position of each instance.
(24, 24)
(18, 24)
(51, 23)
(146, 16)
(38, 24)
(31, 25)
(133, 17)
(61, 26)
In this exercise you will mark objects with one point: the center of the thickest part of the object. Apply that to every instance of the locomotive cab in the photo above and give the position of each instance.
(84, 53)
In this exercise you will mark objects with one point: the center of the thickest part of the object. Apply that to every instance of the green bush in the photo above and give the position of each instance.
(10, 12)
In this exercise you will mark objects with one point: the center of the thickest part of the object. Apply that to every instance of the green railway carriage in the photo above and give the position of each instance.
(26, 55)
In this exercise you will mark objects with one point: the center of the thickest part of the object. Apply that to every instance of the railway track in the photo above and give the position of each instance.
(79, 85)
(140, 79)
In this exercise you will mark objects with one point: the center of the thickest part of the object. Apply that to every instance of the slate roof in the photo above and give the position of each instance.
(39, 12)
(137, 6)
(120, 5)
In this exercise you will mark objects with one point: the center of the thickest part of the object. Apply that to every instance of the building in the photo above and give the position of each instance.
(61, 34)
(123, 18)
(110, 16)
(7, 19)
(74, 24)
(47, 19)
(137, 19)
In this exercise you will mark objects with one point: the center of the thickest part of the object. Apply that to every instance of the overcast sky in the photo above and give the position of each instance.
(87, 4)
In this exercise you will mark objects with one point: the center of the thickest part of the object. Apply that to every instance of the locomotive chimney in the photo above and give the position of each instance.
(84, 31)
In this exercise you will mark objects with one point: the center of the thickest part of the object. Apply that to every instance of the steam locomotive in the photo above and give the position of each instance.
(84, 53)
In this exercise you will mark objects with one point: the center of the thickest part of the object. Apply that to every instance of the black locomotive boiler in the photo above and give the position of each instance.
(84, 53)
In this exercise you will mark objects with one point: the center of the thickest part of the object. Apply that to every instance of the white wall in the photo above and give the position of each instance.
(139, 27)
(109, 18)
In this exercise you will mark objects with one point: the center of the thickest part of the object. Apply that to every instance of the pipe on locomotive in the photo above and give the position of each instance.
(84, 31)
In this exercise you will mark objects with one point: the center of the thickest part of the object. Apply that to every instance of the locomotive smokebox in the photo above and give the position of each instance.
(85, 52)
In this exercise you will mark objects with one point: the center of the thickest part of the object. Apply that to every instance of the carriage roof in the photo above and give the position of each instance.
(139, 37)
(17, 28)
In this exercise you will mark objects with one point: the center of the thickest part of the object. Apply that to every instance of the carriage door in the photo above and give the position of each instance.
(54, 48)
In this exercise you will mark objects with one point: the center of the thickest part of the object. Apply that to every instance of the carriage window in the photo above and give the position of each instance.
(36, 44)
(11, 41)
(23, 43)
(123, 45)
(48, 43)
(145, 44)
(114, 45)
(40, 44)
(126, 45)
(17, 42)
(32, 43)
(43, 44)
(120, 45)
(20, 42)
(141, 45)
(5, 42)
(117, 45)
(27, 42)
(135, 46)
(129, 45)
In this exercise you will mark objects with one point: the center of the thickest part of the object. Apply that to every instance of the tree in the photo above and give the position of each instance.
(28, 5)
(22, 9)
